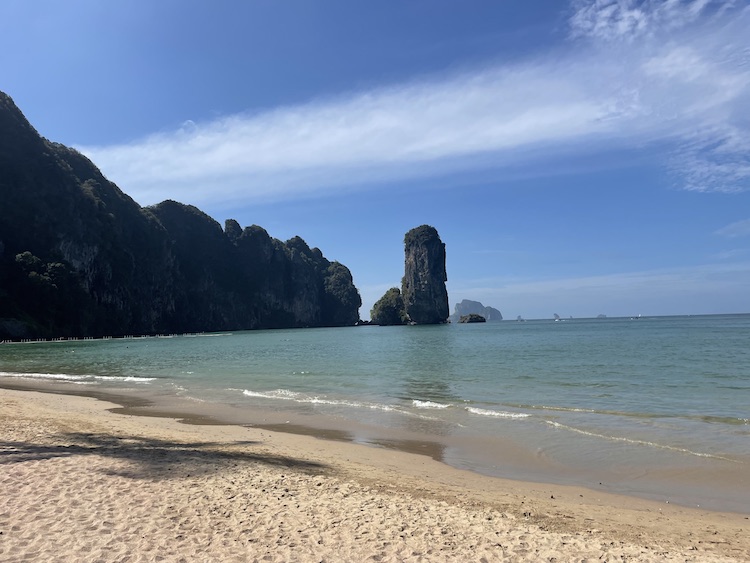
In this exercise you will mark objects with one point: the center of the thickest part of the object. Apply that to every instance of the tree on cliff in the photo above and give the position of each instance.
(389, 309)
(423, 287)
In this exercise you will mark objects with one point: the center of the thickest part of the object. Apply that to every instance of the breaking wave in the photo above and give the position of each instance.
(83, 379)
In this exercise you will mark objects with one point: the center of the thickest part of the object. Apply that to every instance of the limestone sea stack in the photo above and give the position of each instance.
(423, 287)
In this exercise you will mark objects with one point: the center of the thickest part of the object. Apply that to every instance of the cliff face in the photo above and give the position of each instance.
(78, 257)
(78, 252)
(423, 287)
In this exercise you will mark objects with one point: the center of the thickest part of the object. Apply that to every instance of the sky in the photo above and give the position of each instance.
(577, 157)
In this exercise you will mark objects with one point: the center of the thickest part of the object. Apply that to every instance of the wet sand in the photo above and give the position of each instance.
(80, 482)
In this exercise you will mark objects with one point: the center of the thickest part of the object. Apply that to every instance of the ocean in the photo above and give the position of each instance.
(657, 407)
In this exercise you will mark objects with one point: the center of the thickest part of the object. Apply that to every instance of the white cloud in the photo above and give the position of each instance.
(394, 132)
(701, 74)
(685, 83)
(736, 229)
(631, 19)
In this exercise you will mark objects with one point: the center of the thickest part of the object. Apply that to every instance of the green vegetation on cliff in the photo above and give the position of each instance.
(424, 234)
(389, 309)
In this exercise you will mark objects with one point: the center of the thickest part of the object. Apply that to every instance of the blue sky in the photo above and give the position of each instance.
(579, 158)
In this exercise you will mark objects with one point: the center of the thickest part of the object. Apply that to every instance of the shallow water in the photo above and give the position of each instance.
(657, 407)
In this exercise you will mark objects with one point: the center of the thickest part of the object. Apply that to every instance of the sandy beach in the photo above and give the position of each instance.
(81, 483)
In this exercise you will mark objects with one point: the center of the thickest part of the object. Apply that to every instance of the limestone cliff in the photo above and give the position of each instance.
(78, 257)
(423, 287)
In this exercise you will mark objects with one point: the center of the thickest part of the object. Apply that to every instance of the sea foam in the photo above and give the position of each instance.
(83, 379)
(497, 414)
(287, 395)
(429, 404)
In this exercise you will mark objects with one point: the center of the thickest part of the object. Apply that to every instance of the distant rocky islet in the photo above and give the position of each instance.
(468, 307)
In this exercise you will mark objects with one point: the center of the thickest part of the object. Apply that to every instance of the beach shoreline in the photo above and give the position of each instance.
(499, 400)
(710, 484)
(234, 490)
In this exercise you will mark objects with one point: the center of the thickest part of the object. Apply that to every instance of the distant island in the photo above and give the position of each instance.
(79, 258)
(468, 307)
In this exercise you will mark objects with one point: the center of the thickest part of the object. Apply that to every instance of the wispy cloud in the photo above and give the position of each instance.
(684, 86)
(732, 254)
(714, 160)
(631, 19)
(736, 229)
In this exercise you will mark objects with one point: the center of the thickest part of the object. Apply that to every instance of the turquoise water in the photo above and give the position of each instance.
(651, 406)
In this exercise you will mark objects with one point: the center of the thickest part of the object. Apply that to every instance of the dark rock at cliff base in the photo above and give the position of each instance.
(467, 307)
(423, 287)
(78, 257)
(472, 318)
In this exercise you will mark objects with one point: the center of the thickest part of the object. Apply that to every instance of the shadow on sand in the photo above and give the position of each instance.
(154, 459)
